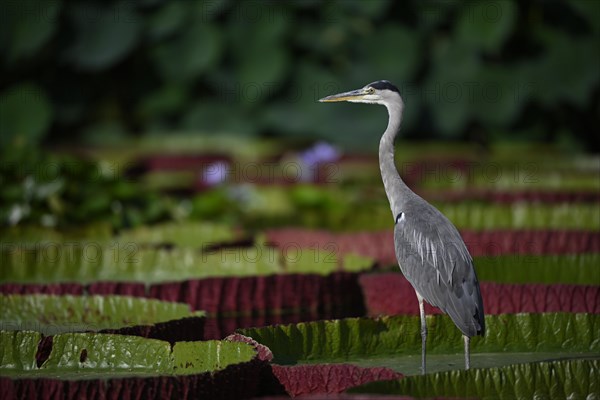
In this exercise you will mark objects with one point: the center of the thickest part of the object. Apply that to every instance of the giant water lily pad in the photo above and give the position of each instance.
(189, 234)
(574, 269)
(559, 174)
(196, 235)
(34, 234)
(56, 314)
(128, 262)
(119, 366)
(395, 342)
(349, 209)
(255, 280)
(523, 216)
(96, 355)
(580, 269)
(551, 379)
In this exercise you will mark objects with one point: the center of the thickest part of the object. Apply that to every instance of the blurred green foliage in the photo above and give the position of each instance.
(57, 191)
(97, 70)
(81, 196)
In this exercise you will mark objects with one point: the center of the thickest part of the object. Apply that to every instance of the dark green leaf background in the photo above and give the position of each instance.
(466, 69)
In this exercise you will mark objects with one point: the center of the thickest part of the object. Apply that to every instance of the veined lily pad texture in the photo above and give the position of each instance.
(87, 262)
(51, 315)
(524, 355)
(231, 282)
(549, 379)
(120, 366)
(238, 302)
(194, 235)
(349, 211)
(34, 234)
(575, 269)
(523, 216)
(509, 174)
(395, 342)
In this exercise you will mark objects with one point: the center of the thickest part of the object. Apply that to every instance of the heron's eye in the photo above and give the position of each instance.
(370, 90)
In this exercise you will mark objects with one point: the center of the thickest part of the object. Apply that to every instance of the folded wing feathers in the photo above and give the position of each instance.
(445, 276)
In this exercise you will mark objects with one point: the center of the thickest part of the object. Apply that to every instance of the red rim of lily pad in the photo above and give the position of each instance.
(237, 381)
(302, 380)
(379, 245)
(391, 294)
(247, 300)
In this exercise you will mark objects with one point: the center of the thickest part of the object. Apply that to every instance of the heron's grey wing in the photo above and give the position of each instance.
(435, 260)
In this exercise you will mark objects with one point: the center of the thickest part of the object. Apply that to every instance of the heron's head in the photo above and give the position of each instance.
(380, 92)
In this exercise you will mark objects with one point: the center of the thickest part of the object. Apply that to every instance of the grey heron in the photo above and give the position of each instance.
(430, 251)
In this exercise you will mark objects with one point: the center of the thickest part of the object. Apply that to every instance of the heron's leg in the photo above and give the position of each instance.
(467, 352)
(423, 332)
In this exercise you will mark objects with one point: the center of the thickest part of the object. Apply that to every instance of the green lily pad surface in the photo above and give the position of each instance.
(575, 269)
(56, 314)
(553, 380)
(523, 216)
(348, 210)
(395, 342)
(194, 235)
(98, 356)
(91, 262)
(98, 235)
(34, 235)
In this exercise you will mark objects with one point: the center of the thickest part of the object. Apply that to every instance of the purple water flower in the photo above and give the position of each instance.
(215, 173)
(321, 152)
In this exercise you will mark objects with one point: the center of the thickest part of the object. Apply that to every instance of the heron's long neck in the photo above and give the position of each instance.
(396, 190)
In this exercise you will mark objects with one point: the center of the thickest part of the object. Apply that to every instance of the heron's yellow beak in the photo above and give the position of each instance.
(353, 95)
